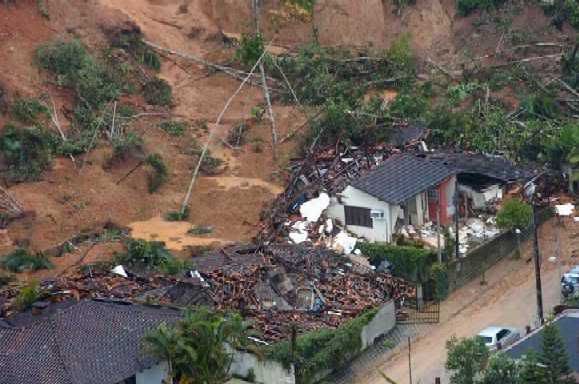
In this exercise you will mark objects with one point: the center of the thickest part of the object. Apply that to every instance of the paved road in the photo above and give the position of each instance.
(508, 298)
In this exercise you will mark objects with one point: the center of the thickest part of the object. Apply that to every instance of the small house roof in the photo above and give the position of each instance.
(568, 325)
(90, 342)
(403, 176)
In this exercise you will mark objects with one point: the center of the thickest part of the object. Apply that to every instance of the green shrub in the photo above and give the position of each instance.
(27, 111)
(77, 69)
(28, 295)
(323, 349)
(466, 7)
(132, 42)
(514, 214)
(410, 263)
(439, 274)
(200, 230)
(158, 92)
(126, 145)
(174, 128)
(160, 172)
(250, 49)
(20, 260)
(26, 152)
(177, 215)
(65, 59)
(150, 256)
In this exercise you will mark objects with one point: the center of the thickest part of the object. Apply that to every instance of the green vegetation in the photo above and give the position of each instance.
(125, 146)
(466, 7)
(174, 128)
(26, 151)
(5, 279)
(160, 172)
(324, 349)
(21, 260)
(195, 347)
(28, 295)
(408, 262)
(250, 49)
(77, 69)
(514, 214)
(177, 215)
(469, 362)
(199, 230)
(27, 111)
(466, 359)
(132, 43)
(158, 92)
(439, 274)
(150, 256)
(306, 5)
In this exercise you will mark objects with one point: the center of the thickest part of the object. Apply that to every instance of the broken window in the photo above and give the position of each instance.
(358, 216)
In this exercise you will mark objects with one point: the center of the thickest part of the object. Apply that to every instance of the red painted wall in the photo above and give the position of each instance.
(443, 198)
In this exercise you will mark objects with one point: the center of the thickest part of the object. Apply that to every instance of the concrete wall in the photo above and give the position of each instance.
(153, 375)
(266, 371)
(382, 228)
(381, 324)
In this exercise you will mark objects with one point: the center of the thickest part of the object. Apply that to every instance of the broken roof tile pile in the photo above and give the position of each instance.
(403, 176)
(95, 284)
(288, 283)
(90, 342)
(497, 167)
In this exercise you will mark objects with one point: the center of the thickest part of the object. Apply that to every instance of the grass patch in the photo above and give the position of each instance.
(174, 128)
(150, 256)
(199, 230)
(28, 110)
(28, 295)
(158, 92)
(21, 260)
(160, 172)
(26, 151)
(177, 215)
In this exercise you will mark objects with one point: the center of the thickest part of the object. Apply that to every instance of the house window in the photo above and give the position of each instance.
(358, 216)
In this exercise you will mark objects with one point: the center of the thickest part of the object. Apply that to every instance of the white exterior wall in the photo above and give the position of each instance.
(266, 371)
(381, 229)
(381, 324)
(153, 375)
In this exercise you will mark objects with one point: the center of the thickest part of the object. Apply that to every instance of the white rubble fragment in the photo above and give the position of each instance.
(312, 210)
(299, 232)
(344, 243)
(329, 226)
(119, 270)
(357, 252)
(576, 219)
(565, 209)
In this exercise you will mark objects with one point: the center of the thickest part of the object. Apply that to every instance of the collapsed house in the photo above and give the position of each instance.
(384, 192)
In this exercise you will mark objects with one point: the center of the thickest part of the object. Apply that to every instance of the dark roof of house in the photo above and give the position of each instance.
(568, 325)
(403, 176)
(496, 167)
(90, 342)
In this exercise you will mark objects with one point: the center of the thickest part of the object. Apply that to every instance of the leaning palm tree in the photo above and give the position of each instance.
(164, 343)
(199, 348)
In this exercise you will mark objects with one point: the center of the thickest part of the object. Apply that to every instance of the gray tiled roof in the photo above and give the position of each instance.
(90, 342)
(402, 177)
(568, 325)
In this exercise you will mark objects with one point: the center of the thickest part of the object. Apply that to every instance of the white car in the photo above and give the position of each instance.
(499, 337)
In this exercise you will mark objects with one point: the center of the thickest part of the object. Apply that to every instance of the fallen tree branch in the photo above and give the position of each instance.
(212, 132)
(235, 73)
(269, 111)
(56, 122)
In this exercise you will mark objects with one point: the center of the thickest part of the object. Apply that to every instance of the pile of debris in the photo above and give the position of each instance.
(84, 284)
(330, 169)
(287, 284)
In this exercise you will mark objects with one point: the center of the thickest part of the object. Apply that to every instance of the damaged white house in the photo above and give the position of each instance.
(412, 190)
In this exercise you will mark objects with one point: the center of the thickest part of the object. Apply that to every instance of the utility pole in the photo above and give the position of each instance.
(537, 263)
(456, 219)
(409, 361)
